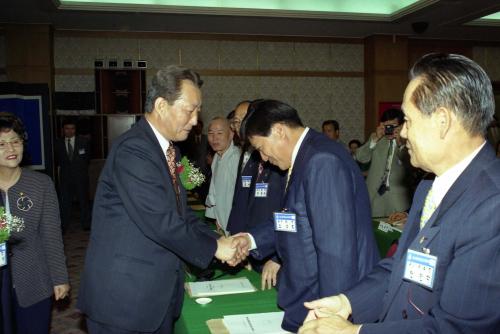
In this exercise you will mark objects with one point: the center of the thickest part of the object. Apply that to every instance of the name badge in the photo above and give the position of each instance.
(261, 189)
(245, 181)
(285, 222)
(81, 151)
(420, 268)
(3, 254)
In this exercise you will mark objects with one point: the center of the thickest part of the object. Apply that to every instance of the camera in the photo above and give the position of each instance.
(389, 129)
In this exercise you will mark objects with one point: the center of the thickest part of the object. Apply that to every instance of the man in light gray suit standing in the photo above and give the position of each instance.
(389, 176)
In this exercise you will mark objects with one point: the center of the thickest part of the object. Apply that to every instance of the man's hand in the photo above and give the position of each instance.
(242, 243)
(328, 306)
(397, 218)
(334, 324)
(225, 251)
(270, 274)
(379, 132)
(61, 291)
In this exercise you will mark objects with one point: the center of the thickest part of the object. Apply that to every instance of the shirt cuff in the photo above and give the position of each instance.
(252, 241)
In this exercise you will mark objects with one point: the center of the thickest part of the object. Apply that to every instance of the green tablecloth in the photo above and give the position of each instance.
(194, 316)
(385, 235)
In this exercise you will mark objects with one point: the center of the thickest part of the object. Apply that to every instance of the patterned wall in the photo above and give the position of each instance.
(488, 58)
(316, 98)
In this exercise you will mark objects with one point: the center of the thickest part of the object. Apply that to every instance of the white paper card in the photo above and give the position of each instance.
(220, 287)
(259, 323)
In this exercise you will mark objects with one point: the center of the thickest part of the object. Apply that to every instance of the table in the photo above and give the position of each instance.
(385, 235)
(194, 316)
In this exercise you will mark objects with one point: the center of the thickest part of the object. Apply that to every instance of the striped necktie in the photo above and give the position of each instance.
(172, 168)
(428, 210)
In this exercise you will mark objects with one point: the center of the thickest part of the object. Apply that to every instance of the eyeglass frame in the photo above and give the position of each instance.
(16, 143)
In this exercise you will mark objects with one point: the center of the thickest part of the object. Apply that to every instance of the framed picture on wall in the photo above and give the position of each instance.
(30, 103)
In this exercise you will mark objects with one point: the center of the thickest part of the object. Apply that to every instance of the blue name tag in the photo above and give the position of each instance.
(261, 189)
(246, 181)
(285, 222)
(420, 268)
(3, 254)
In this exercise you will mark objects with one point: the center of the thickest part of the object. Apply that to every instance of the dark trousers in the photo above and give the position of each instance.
(6, 313)
(69, 189)
(34, 319)
(166, 327)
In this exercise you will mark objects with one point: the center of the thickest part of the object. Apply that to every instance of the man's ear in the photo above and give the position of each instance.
(160, 105)
(278, 129)
(443, 118)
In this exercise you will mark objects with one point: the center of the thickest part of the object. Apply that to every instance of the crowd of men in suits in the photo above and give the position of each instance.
(301, 204)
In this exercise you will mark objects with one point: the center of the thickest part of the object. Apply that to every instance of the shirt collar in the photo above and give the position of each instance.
(443, 183)
(164, 143)
(229, 149)
(297, 146)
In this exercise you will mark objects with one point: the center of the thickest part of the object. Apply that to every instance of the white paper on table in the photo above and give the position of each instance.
(258, 323)
(220, 287)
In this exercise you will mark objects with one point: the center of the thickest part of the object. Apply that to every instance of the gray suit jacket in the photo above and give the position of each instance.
(38, 262)
(398, 197)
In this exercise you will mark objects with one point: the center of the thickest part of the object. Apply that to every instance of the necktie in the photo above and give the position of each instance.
(70, 150)
(384, 184)
(428, 210)
(172, 169)
(288, 177)
(261, 169)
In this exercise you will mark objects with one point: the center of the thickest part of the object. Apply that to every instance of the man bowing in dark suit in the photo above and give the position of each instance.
(323, 234)
(142, 229)
(444, 277)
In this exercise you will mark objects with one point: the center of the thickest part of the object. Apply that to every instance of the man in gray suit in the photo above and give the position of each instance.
(142, 229)
(389, 177)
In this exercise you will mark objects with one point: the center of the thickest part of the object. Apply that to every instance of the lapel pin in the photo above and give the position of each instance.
(423, 239)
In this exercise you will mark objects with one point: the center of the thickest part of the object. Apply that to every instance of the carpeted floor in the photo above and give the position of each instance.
(66, 319)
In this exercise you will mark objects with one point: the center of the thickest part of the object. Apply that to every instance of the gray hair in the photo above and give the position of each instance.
(167, 84)
(455, 82)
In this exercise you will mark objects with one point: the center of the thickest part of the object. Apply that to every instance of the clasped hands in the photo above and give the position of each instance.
(329, 315)
(234, 249)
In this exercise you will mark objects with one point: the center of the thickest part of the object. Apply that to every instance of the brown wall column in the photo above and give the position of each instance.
(386, 74)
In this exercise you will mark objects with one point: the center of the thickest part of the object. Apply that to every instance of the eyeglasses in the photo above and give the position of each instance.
(15, 143)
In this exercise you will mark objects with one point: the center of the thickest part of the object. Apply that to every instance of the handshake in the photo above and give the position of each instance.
(234, 249)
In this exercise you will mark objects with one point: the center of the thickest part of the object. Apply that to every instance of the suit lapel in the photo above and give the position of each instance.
(462, 183)
(148, 132)
(411, 231)
(300, 161)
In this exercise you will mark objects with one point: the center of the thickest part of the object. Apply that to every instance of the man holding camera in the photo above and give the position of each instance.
(389, 177)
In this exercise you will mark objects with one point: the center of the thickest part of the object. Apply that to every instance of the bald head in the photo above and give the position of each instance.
(220, 135)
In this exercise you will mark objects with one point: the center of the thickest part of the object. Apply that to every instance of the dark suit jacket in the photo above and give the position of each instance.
(464, 234)
(237, 221)
(133, 268)
(77, 168)
(334, 246)
(247, 210)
